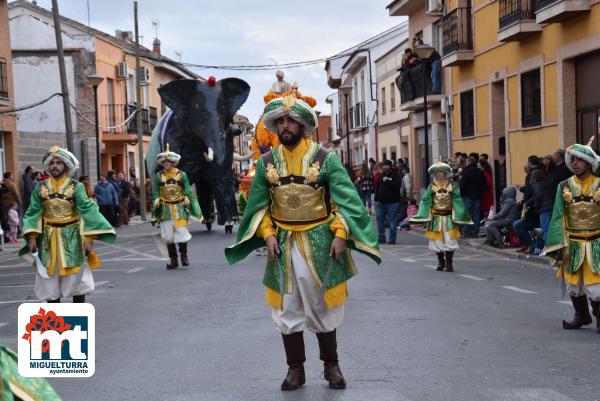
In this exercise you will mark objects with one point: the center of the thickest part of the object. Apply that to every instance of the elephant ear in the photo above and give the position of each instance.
(179, 95)
(234, 93)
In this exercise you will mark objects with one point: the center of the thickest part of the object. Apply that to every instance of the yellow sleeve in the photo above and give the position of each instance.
(266, 228)
(338, 229)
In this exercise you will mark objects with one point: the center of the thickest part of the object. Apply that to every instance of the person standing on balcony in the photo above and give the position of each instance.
(435, 60)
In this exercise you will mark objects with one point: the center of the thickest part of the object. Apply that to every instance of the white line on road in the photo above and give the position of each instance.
(472, 277)
(16, 274)
(8, 267)
(517, 289)
(16, 286)
(101, 283)
(3, 324)
(407, 260)
(431, 266)
(134, 270)
(132, 260)
(18, 302)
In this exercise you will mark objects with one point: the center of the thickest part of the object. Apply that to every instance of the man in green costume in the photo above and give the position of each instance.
(174, 202)
(573, 241)
(443, 210)
(305, 209)
(61, 224)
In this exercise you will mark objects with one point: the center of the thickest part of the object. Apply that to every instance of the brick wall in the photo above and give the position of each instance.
(7, 121)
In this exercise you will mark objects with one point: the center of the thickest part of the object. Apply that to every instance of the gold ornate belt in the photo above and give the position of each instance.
(62, 223)
(441, 212)
(172, 202)
(584, 236)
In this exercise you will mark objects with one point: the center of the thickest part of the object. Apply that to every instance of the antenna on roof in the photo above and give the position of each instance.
(179, 53)
(155, 26)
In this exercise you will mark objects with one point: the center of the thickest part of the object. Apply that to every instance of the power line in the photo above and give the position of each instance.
(29, 106)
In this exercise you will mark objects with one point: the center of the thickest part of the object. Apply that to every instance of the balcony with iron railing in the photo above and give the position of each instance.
(548, 11)
(457, 28)
(517, 20)
(412, 88)
(114, 116)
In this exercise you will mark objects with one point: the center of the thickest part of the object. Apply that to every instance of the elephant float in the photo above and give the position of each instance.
(199, 127)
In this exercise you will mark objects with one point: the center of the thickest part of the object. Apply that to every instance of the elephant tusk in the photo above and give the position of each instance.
(210, 155)
(240, 158)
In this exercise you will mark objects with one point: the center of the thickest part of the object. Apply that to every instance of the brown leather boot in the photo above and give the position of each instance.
(295, 357)
(78, 299)
(596, 310)
(329, 356)
(441, 261)
(183, 254)
(449, 256)
(173, 264)
(582, 314)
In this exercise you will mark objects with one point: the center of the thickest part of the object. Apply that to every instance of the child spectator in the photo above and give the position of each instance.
(13, 223)
(410, 212)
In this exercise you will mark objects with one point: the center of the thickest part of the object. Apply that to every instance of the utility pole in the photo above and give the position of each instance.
(138, 117)
(63, 77)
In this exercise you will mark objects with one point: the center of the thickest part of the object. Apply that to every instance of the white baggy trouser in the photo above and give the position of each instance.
(57, 286)
(300, 309)
(171, 234)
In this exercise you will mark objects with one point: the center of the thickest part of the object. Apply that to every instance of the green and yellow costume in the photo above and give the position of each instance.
(173, 198)
(63, 219)
(304, 195)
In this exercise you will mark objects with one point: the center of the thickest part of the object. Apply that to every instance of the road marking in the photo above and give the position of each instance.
(134, 270)
(126, 249)
(7, 267)
(16, 274)
(16, 286)
(431, 266)
(3, 324)
(101, 255)
(132, 260)
(472, 277)
(18, 302)
(565, 302)
(162, 247)
(101, 283)
(407, 260)
(517, 289)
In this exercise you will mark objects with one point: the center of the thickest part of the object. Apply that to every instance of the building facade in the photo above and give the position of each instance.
(87, 52)
(8, 154)
(394, 137)
(521, 76)
(352, 73)
(425, 24)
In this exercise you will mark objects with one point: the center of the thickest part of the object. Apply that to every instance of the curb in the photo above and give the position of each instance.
(537, 260)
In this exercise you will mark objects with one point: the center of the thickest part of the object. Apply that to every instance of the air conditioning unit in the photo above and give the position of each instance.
(122, 70)
(144, 75)
(434, 7)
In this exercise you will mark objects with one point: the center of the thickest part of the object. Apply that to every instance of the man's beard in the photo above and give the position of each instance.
(292, 140)
(57, 173)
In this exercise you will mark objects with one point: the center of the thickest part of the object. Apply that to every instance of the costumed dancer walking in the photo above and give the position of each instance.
(573, 241)
(443, 210)
(304, 207)
(174, 202)
(61, 224)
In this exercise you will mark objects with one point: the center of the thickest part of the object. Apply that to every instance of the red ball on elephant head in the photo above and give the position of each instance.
(212, 81)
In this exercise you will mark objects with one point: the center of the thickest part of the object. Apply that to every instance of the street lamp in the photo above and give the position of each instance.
(347, 90)
(424, 52)
(95, 81)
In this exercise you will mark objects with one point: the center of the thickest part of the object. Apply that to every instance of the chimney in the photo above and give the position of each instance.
(156, 47)
(124, 35)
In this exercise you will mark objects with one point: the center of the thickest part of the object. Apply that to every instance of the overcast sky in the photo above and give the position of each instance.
(244, 32)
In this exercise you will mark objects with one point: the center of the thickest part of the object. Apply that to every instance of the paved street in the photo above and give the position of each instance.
(490, 331)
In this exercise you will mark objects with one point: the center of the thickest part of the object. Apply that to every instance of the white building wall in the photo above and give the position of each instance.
(36, 79)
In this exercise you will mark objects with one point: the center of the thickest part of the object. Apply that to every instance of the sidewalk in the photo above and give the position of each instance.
(11, 250)
(478, 243)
